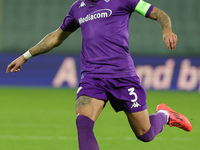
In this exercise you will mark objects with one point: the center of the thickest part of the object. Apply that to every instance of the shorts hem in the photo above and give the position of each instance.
(133, 110)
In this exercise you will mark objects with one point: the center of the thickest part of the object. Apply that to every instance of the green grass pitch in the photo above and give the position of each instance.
(44, 119)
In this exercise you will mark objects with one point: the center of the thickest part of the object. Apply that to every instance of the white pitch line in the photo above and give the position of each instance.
(31, 125)
(64, 138)
(17, 137)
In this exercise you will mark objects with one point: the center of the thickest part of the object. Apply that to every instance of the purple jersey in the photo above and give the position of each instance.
(105, 32)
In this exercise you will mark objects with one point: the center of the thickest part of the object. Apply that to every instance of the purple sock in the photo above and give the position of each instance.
(158, 121)
(86, 138)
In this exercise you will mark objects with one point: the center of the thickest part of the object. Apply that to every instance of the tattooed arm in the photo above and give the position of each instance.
(50, 41)
(163, 19)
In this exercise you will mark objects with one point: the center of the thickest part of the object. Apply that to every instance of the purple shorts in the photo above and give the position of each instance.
(123, 93)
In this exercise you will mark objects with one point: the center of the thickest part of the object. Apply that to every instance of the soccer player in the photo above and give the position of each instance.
(107, 68)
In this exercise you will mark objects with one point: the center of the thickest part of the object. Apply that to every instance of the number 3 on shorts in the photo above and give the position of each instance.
(132, 92)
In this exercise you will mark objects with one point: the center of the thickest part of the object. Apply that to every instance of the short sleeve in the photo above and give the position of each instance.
(129, 5)
(69, 23)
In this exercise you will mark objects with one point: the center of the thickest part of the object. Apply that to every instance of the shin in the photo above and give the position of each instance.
(86, 138)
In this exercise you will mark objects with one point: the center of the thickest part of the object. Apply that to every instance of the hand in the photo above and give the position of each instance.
(170, 39)
(16, 65)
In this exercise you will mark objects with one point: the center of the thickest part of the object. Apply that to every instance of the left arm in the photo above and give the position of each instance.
(163, 19)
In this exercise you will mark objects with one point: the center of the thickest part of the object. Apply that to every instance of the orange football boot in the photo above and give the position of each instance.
(176, 119)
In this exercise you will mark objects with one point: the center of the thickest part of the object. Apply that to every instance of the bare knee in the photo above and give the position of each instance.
(139, 122)
(81, 106)
(141, 131)
(146, 137)
(89, 107)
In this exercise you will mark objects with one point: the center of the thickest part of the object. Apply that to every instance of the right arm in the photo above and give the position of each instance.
(50, 41)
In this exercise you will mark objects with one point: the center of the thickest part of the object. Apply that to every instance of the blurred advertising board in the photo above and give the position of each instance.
(156, 73)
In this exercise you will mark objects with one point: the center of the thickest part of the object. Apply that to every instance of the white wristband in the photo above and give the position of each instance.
(27, 55)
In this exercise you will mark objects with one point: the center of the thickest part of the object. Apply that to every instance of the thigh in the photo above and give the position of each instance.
(90, 107)
(139, 121)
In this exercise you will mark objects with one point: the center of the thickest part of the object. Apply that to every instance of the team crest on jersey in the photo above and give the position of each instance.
(107, 1)
(82, 4)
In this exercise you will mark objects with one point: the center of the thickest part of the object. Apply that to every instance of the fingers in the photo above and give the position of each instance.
(16, 65)
(171, 41)
(9, 67)
(16, 69)
(13, 68)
